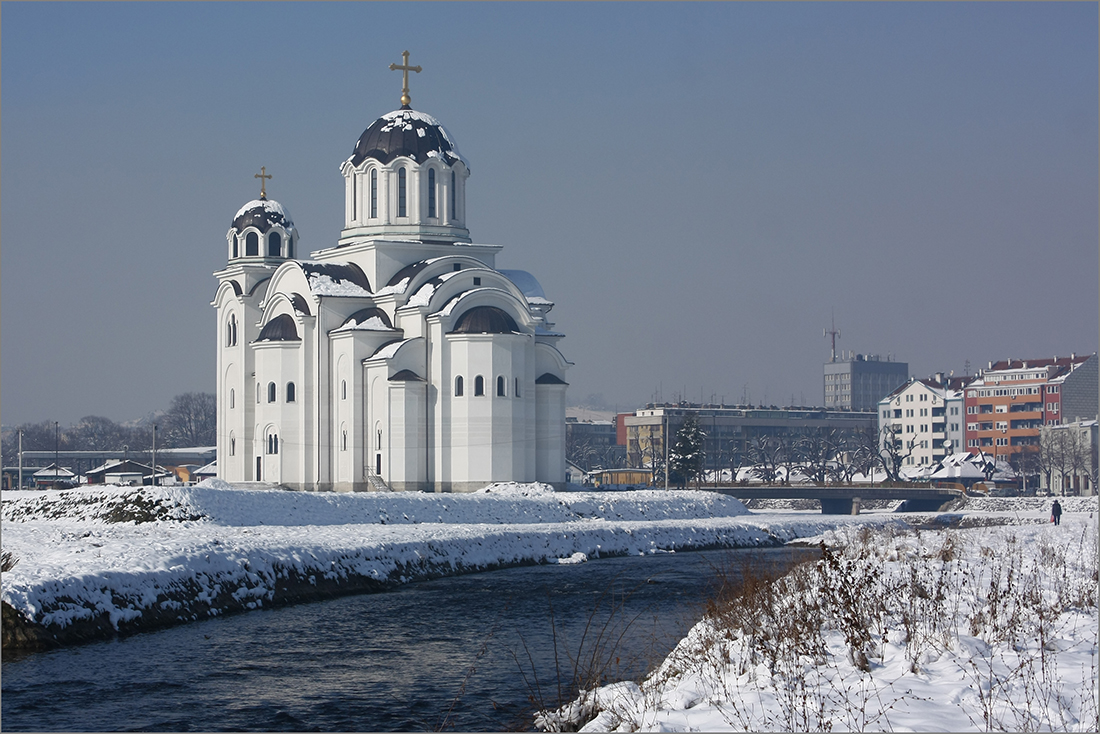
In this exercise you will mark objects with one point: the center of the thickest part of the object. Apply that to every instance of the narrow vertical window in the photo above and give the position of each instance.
(452, 196)
(354, 197)
(290, 392)
(236, 245)
(479, 385)
(274, 245)
(431, 192)
(252, 245)
(232, 398)
(458, 386)
(343, 389)
(500, 386)
(258, 393)
(290, 247)
(516, 393)
(401, 203)
(271, 390)
(374, 193)
(343, 440)
(232, 444)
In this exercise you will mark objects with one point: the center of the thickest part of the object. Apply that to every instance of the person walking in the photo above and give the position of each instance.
(1056, 513)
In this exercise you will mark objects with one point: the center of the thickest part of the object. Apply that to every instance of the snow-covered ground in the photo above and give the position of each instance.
(92, 561)
(982, 629)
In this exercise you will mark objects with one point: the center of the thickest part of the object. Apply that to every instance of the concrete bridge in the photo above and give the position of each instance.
(846, 500)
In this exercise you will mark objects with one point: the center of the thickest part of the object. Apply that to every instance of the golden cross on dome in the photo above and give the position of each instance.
(263, 175)
(405, 69)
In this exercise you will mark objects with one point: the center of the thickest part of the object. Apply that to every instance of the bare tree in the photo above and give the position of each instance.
(191, 420)
(893, 451)
(766, 456)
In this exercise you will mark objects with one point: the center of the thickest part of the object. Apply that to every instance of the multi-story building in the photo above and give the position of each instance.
(862, 380)
(591, 444)
(925, 419)
(1009, 402)
(731, 430)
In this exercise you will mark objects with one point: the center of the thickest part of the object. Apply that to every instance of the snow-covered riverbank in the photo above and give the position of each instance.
(982, 629)
(93, 562)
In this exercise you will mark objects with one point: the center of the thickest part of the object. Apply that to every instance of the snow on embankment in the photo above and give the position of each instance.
(93, 562)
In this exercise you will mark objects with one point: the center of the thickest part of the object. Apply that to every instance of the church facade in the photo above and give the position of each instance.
(398, 359)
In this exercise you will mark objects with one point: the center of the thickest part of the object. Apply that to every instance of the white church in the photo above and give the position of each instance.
(398, 359)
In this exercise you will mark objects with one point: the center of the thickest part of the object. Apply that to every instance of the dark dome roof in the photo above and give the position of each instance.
(405, 132)
(279, 329)
(262, 214)
(485, 320)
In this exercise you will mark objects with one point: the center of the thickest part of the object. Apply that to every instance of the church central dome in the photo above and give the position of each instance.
(405, 132)
(262, 214)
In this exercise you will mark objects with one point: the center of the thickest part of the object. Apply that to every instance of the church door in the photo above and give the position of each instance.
(259, 465)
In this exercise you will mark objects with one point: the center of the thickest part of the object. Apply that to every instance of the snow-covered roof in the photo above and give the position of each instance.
(336, 279)
(367, 319)
(406, 132)
(262, 214)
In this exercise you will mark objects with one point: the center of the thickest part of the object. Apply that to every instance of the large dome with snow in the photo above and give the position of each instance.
(262, 214)
(405, 132)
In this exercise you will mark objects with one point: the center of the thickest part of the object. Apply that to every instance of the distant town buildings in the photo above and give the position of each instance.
(732, 430)
(924, 419)
(861, 381)
(1009, 402)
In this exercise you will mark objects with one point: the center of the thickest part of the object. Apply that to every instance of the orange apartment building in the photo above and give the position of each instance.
(1009, 402)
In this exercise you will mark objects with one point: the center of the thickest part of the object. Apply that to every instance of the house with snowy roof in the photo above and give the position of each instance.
(399, 358)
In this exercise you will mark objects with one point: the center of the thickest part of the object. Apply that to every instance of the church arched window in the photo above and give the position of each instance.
(500, 386)
(458, 386)
(252, 245)
(343, 437)
(479, 385)
(373, 193)
(272, 442)
(516, 393)
(431, 192)
(236, 241)
(232, 444)
(271, 390)
(274, 244)
(343, 389)
(290, 246)
(290, 392)
(231, 331)
(452, 195)
(354, 197)
(258, 392)
(402, 207)
(232, 399)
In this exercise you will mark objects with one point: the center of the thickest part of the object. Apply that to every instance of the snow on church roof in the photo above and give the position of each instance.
(406, 132)
(336, 279)
(262, 214)
(368, 319)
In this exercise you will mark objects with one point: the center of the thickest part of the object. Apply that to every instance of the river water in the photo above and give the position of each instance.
(469, 653)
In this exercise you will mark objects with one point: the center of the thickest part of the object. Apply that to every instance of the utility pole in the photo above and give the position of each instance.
(20, 458)
(666, 447)
(56, 446)
(154, 482)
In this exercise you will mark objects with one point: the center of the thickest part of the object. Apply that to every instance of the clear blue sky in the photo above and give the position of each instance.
(698, 186)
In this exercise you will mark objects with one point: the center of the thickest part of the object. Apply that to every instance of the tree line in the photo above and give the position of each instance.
(190, 420)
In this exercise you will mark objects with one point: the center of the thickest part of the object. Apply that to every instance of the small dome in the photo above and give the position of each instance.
(262, 214)
(405, 132)
(279, 329)
(485, 320)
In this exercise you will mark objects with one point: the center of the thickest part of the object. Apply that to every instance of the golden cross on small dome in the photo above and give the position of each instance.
(405, 69)
(263, 175)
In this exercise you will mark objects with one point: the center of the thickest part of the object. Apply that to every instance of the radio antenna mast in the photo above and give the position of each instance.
(834, 333)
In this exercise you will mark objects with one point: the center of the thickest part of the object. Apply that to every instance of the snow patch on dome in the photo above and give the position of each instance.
(322, 284)
(267, 205)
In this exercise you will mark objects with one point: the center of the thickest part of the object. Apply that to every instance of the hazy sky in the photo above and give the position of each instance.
(697, 186)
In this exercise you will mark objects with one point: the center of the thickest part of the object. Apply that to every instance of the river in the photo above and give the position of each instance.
(470, 653)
